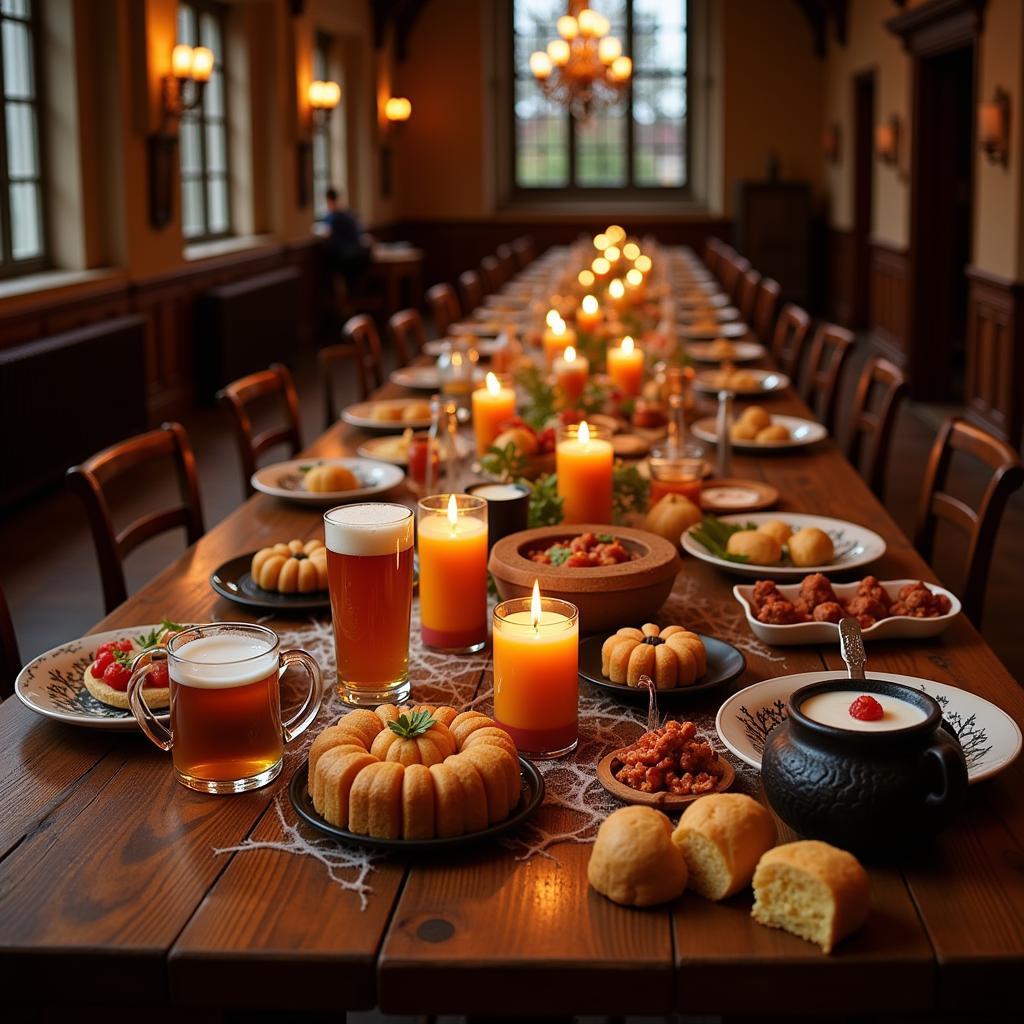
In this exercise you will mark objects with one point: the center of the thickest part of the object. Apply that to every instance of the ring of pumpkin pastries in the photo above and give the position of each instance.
(419, 772)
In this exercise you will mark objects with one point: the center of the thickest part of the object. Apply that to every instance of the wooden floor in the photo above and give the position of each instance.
(49, 570)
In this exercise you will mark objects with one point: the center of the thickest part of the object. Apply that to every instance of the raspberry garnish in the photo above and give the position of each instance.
(866, 709)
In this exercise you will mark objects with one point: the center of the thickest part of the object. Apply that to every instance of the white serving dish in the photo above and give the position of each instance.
(284, 480)
(801, 433)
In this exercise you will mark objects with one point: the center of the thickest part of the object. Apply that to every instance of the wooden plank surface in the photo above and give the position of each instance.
(104, 855)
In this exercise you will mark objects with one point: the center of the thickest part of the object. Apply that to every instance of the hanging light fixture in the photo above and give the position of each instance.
(584, 69)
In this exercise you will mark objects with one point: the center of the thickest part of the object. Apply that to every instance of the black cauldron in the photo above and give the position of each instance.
(874, 793)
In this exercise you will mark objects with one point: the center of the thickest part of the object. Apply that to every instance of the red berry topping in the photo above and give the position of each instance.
(157, 679)
(99, 666)
(116, 676)
(866, 709)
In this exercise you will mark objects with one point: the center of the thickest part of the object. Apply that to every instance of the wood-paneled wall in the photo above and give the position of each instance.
(995, 354)
(889, 320)
(840, 275)
(167, 303)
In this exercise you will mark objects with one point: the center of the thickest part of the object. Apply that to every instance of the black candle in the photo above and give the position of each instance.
(508, 508)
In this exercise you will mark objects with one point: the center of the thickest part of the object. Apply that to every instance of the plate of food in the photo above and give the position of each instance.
(326, 481)
(808, 612)
(990, 738)
(389, 414)
(394, 449)
(423, 378)
(415, 778)
(713, 329)
(85, 681)
(756, 430)
(638, 774)
(790, 545)
(290, 576)
(722, 350)
(485, 348)
(689, 664)
(743, 380)
(731, 494)
(696, 317)
(701, 300)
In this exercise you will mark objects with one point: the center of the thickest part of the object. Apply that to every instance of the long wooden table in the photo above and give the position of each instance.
(109, 880)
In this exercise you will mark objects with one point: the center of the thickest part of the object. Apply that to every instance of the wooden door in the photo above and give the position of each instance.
(863, 194)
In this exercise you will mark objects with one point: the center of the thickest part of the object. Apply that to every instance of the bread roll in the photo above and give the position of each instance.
(760, 548)
(757, 416)
(634, 861)
(811, 546)
(773, 433)
(722, 837)
(778, 529)
(813, 890)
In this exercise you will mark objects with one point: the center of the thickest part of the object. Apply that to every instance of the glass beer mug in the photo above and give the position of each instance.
(226, 733)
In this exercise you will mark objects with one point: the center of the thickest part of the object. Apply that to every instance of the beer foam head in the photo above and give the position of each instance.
(223, 660)
(369, 528)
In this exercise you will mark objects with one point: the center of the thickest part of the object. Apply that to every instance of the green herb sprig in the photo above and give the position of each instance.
(714, 534)
(506, 464)
(414, 724)
(630, 492)
(541, 401)
(545, 502)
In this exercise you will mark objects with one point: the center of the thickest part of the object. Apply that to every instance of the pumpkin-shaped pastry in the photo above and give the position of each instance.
(672, 656)
(330, 477)
(298, 567)
(415, 737)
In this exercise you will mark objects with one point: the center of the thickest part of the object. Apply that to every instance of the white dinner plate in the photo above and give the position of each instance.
(855, 546)
(990, 738)
(485, 348)
(733, 329)
(741, 351)
(765, 382)
(385, 449)
(894, 627)
(284, 480)
(719, 313)
(361, 415)
(801, 433)
(423, 378)
(53, 684)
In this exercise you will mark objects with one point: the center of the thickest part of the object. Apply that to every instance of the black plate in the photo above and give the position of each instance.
(234, 581)
(725, 663)
(529, 801)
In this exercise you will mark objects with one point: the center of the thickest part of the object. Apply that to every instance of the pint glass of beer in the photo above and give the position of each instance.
(369, 573)
(226, 733)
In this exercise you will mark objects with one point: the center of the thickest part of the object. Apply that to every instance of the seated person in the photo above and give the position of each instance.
(349, 249)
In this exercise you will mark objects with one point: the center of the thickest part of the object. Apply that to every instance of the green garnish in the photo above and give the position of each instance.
(505, 464)
(154, 636)
(630, 492)
(606, 538)
(545, 502)
(541, 400)
(558, 554)
(414, 724)
(714, 535)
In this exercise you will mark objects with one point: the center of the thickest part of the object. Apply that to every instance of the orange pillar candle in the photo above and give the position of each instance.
(557, 338)
(536, 674)
(452, 544)
(583, 470)
(588, 316)
(493, 405)
(626, 367)
(571, 372)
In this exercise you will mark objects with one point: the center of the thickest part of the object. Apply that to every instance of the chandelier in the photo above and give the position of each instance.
(584, 70)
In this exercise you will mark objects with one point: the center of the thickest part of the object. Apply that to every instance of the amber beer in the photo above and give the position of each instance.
(369, 572)
(225, 709)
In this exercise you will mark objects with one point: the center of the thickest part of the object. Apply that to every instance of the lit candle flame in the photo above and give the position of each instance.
(634, 277)
(589, 305)
(600, 265)
(601, 241)
(643, 263)
(583, 434)
(552, 318)
(631, 250)
(585, 278)
(627, 344)
(535, 605)
(558, 329)
(494, 386)
(616, 289)
(569, 356)
(453, 513)
(612, 253)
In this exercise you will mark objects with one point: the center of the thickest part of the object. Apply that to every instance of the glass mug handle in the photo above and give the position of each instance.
(303, 718)
(154, 729)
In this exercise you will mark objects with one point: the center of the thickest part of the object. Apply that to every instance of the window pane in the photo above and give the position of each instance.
(22, 158)
(26, 229)
(217, 198)
(187, 26)
(19, 8)
(209, 35)
(659, 112)
(601, 149)
(542, 157)
(216, 145)
(17, 43)
(213, 95)
(534, 26)
(191, 156)
(191, 208)
(659, 35)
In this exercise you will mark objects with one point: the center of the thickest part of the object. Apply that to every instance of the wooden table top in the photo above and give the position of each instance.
(108, 862)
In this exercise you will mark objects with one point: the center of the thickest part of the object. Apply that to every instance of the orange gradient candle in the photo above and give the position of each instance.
(626, 367)
(493, 405)
(452, 544)
(571, 372)
(557, 338)
(583, 471)
(588, 316)
(536, 673)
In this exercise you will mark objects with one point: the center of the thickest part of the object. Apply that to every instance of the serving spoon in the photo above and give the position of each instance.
(851, 647)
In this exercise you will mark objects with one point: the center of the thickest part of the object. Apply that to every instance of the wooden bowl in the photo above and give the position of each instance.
(664, 801)
(608, 597)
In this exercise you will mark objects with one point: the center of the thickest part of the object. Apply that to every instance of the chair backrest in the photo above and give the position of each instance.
(10, 659)
(881, 388)
(444, 307)
(830, 351)
(330, 358)
(789, 339)
(711, 253)
(237, 397)
(981, 525)
(740, 268)
(765, 309)
(748, 291)
(407, 334)
(507, 259)
(490, 272)
(89, 479)
(361, 333)
(471, 289)
(525, 251)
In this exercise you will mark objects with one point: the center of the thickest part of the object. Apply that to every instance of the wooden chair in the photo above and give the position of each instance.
(765, 309)
(881, 388)
(361, 333)
(789, 339)
(407, 334)
(726, 257)
(524, 250)
(830, 351)
(10, 659)
(711, 253)
(490, 274)
(507, 260)
(444, 307)
(748, 292)
(981, 525)
(471, 289)
(330, 359)
(741, 267)
(237, 397)
(89, 479)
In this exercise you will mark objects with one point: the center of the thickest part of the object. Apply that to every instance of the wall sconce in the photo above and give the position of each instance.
(887, 140)
(830, 143)
(994, 128)
(397, 110)
(323, 98)
(182, 90)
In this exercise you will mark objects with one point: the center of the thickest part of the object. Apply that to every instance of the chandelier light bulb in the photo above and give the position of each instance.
(601, 241)
(643, 263)
(558, 51)
(620, 69)
(202, 64)
(540, 65)
(612, 253)
(568, 29)
(602, 25)
(631, 250)
(634, 277)
(600, 266)
(588, 22)
(608, 49)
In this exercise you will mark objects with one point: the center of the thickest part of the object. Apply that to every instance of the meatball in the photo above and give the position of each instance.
(870, 587)
(867, 606)
(764, 590)
(828, 611)
(919, 601)
(816, 589)
(779, 613)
